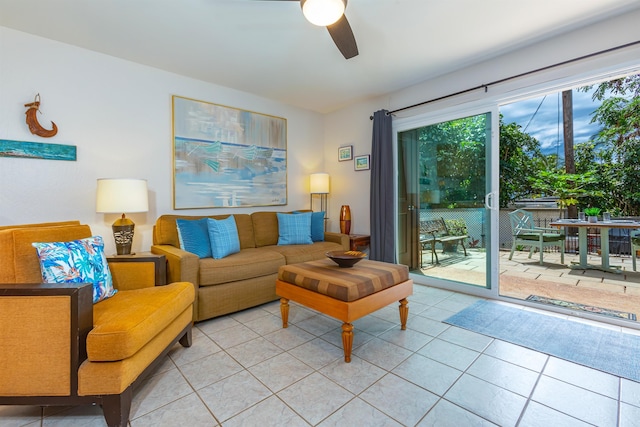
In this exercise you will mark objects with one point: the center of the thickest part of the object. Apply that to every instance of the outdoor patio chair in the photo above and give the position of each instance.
(525, 233)
(438, 231)
(635, 246)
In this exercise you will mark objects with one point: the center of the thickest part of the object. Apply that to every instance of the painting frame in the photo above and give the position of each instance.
(345, 153)
(362, 163)
(227, 157)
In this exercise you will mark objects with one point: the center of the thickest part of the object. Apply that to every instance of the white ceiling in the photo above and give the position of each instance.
(266, 47)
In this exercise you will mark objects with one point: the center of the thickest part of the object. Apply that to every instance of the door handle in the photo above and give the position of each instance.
(488, 201)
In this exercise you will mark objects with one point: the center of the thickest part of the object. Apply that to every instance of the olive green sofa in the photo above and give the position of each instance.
(241, 280)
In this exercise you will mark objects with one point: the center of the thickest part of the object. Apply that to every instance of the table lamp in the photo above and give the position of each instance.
(122, 196)
(319, 184)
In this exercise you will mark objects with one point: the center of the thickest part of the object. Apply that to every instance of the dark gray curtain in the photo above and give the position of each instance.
(383, 236)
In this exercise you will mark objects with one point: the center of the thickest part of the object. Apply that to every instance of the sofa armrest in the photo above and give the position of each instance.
(182, 266)
(44, 330)
(132, 275)
(341, 239)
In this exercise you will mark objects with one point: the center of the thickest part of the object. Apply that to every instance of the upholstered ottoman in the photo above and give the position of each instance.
(346, 294)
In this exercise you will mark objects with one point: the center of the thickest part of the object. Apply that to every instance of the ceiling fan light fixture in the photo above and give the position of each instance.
(323, 12)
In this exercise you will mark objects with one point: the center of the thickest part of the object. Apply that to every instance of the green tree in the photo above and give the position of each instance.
(604, 191)
(567, 187)
(457, 150)
(615, 148)
(520, 158)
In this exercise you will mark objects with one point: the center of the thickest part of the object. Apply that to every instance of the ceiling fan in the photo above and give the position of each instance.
(330, 14)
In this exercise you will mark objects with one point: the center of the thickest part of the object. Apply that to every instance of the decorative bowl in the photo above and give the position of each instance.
(345, 259)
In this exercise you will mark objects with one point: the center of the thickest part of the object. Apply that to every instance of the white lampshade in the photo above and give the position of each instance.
(122, 196)
(322, 12)
(319, 183)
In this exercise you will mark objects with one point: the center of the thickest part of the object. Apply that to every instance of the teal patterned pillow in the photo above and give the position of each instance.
(223, 234)
(194, 236)
(78, 261)
(294, 229)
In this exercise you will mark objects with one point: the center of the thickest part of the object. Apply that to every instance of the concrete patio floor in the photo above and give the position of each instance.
(522, 277)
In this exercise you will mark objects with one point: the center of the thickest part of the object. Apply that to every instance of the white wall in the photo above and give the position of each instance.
(118, 114)
(352, 125)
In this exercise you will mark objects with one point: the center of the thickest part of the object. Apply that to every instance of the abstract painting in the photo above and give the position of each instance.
(227, 157)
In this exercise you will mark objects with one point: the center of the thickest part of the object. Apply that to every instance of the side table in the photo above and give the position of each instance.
(358, 241)
(158, 262)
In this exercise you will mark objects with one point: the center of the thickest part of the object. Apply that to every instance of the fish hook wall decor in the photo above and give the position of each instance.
(32, 120)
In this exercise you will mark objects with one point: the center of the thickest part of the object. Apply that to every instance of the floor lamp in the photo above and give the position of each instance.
(319, 184)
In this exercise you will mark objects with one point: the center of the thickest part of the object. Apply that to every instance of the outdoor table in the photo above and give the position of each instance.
(604, 227)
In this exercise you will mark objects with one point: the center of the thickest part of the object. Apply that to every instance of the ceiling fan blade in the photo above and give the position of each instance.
(343, 37)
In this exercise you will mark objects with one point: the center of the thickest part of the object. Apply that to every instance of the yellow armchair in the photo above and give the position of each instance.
(58, 348)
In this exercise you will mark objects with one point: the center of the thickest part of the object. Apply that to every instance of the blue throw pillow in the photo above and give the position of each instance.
(294, 229)
(317, 225)
(78, 261)
(194, 236)
(223, 234)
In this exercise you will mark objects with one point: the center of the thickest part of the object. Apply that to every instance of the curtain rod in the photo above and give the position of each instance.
(486, 85)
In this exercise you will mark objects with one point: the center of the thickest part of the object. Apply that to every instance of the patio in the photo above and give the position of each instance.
(522, 277)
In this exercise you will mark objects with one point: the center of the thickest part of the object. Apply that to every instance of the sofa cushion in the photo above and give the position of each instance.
(223, 235)
(194, 236)
(265, 227)
(344, 284)
(303, 253)
(246, 264)
(125, 323)
(77, 261)
(294, 229)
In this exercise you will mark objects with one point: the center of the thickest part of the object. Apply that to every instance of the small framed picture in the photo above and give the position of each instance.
(345, 153)
(361, 163)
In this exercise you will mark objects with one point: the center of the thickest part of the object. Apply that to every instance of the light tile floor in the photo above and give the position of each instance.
(245, 370)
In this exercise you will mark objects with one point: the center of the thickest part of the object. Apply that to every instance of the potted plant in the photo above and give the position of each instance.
(592, 214)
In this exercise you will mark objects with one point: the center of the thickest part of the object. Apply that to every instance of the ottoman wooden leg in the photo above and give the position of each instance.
(347, 340)
(284, 311)
(404, 313)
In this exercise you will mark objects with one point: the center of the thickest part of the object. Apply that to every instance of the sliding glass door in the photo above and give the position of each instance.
(444, 179)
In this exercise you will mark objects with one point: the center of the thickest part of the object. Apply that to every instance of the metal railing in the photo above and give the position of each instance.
(474, 218)
(477, 226)
(619, 238)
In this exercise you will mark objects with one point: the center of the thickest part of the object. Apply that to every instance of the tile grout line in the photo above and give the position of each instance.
(452, 299)
(533, 389)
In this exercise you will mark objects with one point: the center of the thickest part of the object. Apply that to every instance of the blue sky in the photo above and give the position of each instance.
(546, 124)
